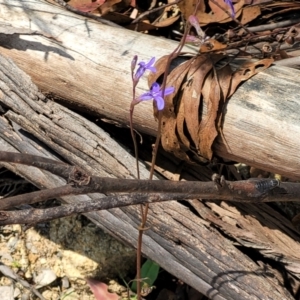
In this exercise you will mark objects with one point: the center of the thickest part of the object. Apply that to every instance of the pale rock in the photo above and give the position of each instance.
(6, 292)
(45, 277)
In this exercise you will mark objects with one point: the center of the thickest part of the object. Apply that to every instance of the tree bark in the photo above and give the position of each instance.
(185, 243)
(87, 65)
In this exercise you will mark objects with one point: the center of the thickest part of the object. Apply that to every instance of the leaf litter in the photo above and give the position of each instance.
(191, 118)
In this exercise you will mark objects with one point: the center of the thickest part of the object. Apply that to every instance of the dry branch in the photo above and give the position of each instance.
(142, 191)
(87, 64)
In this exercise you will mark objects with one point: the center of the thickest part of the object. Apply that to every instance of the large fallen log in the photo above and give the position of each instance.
(179, 240)
(87, 65)
(185, 243)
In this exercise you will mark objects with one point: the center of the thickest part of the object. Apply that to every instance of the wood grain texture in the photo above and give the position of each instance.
(178, 239)
(262, 123)
(87, 65)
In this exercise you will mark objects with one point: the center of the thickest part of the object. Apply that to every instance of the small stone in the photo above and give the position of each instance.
(6, 292)
(45, 277)
(16, 228)
(28, 274)
(32, 258)
(25, 296)
(17, 292)
(65, 284)
(43, 260)
(12, 243)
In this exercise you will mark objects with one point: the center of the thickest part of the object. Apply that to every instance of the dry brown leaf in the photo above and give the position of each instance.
(180, 126)
(108, 6)
(250, 13)
(167, 22)
(219, 15)
(192, 94)
(86, 5)
(225, 78)
(212, 45)
(192, 116)
(248, 70)
(217, 90)
(169, 138)
(207, 129)
(187, 7)
(281, 12)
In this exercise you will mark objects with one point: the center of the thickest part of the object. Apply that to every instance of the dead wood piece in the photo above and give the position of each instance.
(90, 58)
(255, 233)
(181, 242)
(252, 190)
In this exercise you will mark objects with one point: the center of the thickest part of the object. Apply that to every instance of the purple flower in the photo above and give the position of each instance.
(143, 67)
(156, 93)
(229, 3)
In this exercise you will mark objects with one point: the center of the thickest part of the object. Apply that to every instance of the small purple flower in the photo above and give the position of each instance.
(156, 93)
(229, 3)
(143, 67)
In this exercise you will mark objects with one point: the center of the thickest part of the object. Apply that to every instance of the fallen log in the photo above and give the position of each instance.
(87, 65)
(179, 241)
(183, 242)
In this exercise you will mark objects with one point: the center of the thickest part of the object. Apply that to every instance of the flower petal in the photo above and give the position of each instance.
(139, 73)
(151, 62)
(145, 96)
(230, 4)
(169, 90)
(155, 87)
(160, 103)
(152, 69)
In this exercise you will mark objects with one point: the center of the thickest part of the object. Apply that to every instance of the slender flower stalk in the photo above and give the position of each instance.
(143, 67)
(157, 94)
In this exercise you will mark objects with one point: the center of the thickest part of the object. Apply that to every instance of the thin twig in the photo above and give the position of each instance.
(235, 191)
(273, 26)
(31, 216)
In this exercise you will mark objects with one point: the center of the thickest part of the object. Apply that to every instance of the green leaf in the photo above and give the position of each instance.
(149, 273)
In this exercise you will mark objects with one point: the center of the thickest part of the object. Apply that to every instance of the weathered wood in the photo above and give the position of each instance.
(87, 64)
(179, 240)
